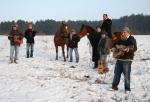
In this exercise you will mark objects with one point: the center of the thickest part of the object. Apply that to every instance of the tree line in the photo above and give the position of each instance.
(139, 25)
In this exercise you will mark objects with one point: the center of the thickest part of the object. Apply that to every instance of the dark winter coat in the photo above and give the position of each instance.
(29, 35)
(106, 26)
(104, 45)
(12, 36)
(94, 40)
(73, 42)
(131, 44)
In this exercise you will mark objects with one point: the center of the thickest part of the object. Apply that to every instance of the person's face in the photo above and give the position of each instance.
(30, 27)
(104, 17)
(125, 34)
(98, 30)
(14, 28)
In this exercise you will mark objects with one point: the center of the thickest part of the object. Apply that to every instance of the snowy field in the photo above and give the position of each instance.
(42, 79)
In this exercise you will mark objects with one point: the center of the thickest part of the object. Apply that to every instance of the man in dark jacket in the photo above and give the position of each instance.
(127, 45)
(106, 26)
(16, 39)
(94, 40)
(29, 35)
(73, 45)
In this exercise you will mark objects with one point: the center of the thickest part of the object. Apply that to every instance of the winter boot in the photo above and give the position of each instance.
(27, 54)
(95, 64)
(31, 54)
(11, 61)
(15, 61)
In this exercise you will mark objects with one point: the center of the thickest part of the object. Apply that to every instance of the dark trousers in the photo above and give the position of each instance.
(30, 49)
(125, 68)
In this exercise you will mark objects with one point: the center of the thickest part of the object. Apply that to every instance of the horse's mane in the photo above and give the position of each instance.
(82, 27)
(88, 27)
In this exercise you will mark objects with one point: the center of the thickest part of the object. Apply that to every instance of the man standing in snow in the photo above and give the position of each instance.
(73, 45)
(94, 40)
(127, 46)
(106, 26)
(16, 39)
(29, 35)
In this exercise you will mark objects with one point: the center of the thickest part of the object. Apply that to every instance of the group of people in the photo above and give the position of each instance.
(125, 48)
(16, 39)
(101, 48)
(101, 42)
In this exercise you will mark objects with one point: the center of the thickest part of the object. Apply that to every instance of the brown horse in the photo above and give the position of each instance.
(116, 36)
(86, 30)
(61, 39)
(90, 32)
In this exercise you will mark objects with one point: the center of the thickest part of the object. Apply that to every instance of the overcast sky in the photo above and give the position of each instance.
(33, 10)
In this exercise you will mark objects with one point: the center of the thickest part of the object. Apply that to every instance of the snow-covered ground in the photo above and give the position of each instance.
(42, 79)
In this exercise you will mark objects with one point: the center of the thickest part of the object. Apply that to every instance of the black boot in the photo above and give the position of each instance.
(31, 54)
(95, 64)
(27, 54)
(15, 61)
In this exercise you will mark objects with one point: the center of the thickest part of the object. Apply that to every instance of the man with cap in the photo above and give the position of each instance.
(29, 35)
(127, 45)
(106, 26)
(74, 38)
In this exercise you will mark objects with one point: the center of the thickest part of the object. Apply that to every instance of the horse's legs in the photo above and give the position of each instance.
(63, 52)
(56, 52)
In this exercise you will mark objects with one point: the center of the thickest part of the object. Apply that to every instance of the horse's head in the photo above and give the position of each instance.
(116, 36)
(64, 28)
(85, 29)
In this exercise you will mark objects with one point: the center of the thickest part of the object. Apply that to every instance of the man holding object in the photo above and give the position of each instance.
(127, 46)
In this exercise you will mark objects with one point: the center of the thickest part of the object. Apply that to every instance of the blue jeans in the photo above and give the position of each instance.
(30, 49)
(125, 68)
(105, 58)
(14, 51)
(76, 54)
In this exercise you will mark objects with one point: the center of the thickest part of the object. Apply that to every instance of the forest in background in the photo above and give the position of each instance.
(139, 25)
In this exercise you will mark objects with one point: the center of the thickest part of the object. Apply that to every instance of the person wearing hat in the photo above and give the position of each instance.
(29, 35)
(16, 39)
(106, 25)
(104, 47)
(74, 38)
(127, 45)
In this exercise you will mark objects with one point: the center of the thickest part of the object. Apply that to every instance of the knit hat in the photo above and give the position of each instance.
(126, 29)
